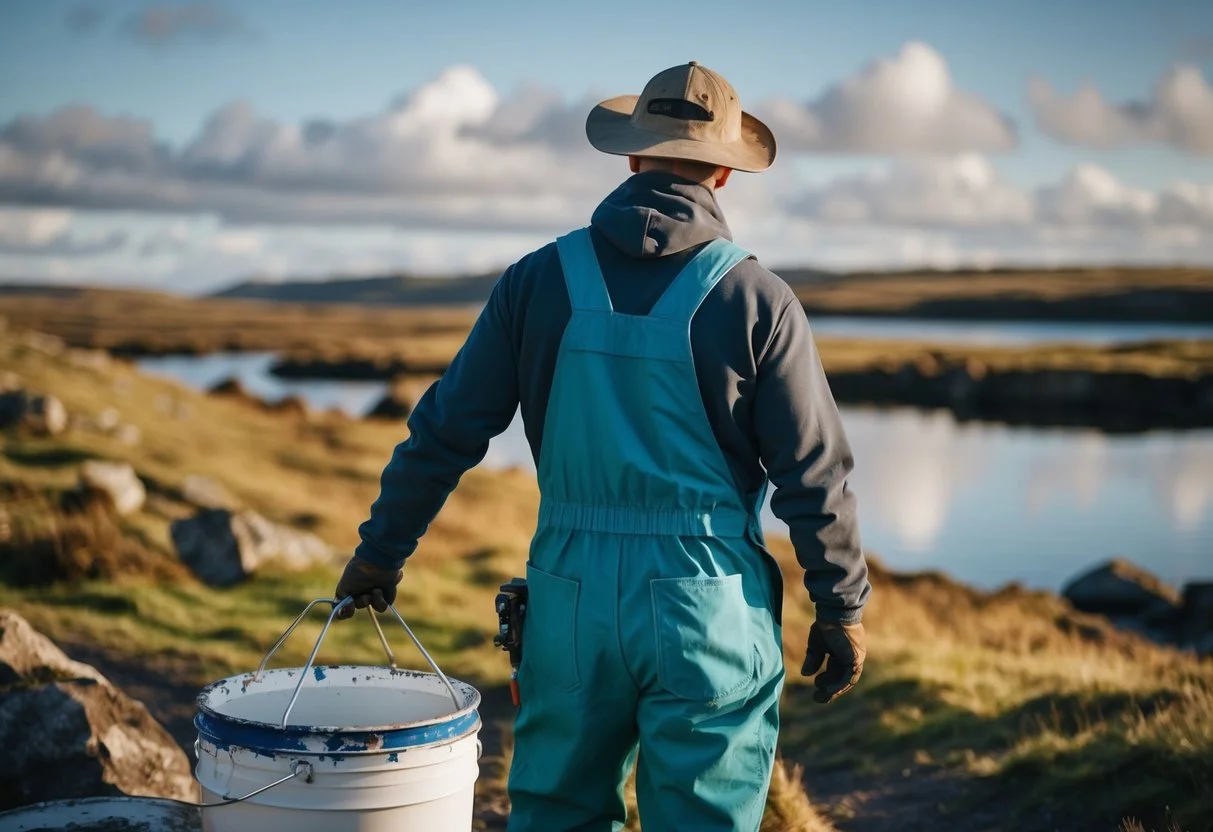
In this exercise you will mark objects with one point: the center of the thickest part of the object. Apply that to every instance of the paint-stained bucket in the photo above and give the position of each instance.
(103, 814)
(340, 748)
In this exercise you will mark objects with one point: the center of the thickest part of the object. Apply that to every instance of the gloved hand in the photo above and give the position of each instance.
(369, 584)
(844, 645)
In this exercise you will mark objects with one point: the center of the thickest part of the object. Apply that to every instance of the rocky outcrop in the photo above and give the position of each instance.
(117, 482)
(43, 415)
(68, 733)
(223, 548)
(1136, 600)
(28, 657)
(1120, 588)
(1112, 401)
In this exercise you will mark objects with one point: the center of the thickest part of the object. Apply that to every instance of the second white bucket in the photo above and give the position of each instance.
(338, 748)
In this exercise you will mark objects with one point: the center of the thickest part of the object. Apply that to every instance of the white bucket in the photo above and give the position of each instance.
(364, 748)
(118, 814)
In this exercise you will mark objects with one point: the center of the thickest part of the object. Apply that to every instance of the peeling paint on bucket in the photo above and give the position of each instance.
(389, 750)
(103, 814)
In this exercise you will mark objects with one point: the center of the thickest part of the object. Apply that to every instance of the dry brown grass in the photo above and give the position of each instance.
(71, 537)
(152, 323)
(788, 806)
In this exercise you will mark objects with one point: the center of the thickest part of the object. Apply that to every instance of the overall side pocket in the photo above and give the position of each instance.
(705, 648)
(549, 640)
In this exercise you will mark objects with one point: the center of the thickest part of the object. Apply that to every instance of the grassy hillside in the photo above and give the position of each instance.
(1002, 710)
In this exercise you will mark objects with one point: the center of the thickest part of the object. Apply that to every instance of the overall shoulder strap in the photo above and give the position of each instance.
(582, 274)
(684, 295)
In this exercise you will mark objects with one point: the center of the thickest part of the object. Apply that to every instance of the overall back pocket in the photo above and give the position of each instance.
(549, 641)
(705, 648)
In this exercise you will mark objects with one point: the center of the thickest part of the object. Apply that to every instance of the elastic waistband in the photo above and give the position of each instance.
(718, 522)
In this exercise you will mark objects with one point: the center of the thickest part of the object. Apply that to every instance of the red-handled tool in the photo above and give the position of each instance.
(511, 613)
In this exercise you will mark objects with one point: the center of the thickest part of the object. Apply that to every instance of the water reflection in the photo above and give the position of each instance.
(992, 504)
(253, 371)
(986, 503)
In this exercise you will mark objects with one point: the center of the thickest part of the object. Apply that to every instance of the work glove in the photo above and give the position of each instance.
(842, 648)
(369, 584)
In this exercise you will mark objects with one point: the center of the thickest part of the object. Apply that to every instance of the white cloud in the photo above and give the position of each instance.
(961, 191)
(966, 191)
(428, 160)
(1179, 113)
(905, 104)
(1091, 195)
(238, 242)
(48, 233)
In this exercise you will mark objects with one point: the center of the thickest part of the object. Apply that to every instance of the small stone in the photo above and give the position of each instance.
(128, 434)
(223, 548)
(43, 415)
(108, 419)
(117, 481)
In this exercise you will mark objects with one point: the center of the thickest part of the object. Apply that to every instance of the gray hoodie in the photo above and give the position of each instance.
(766, 396)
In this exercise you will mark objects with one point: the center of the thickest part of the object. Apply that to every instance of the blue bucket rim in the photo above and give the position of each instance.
(224, 730)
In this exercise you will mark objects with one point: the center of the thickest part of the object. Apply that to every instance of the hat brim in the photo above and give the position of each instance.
(609, 128)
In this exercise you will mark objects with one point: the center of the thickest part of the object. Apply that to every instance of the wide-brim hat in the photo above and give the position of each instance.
(685, 112)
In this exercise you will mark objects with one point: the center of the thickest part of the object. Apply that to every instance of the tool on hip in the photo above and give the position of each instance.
(511, 611)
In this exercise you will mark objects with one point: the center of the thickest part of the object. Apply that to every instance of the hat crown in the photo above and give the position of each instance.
(689, 101)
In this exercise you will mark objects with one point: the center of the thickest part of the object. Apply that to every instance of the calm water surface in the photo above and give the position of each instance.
(986, 503)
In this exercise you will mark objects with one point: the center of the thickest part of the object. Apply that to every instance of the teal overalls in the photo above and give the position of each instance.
(650, 618)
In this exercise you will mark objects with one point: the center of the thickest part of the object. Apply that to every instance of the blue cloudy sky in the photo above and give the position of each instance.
(183, 146)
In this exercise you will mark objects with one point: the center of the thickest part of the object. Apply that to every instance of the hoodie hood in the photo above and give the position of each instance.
(656, 213)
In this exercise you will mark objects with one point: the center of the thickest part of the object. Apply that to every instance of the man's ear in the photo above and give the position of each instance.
(634, 163)
(722, 177)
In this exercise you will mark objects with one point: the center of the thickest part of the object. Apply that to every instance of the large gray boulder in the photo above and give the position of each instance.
(68, 733)
(223, 547)
(1120, 588)
(117, 482)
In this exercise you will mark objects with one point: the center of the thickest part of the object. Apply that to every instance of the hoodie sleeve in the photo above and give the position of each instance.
(449, 432)
(808, 458)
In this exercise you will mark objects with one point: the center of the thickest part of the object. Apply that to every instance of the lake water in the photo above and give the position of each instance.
(986, 503)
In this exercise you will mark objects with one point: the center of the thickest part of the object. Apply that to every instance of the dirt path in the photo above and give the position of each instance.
(908, 798)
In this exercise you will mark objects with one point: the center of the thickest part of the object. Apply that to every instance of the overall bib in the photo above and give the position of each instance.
(650, 622)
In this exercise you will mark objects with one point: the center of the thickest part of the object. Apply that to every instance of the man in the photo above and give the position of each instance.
(663, 376)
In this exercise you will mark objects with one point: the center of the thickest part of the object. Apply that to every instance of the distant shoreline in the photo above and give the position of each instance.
(1114, 388)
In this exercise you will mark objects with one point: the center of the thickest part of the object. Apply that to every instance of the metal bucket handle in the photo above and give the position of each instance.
(337, 607)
